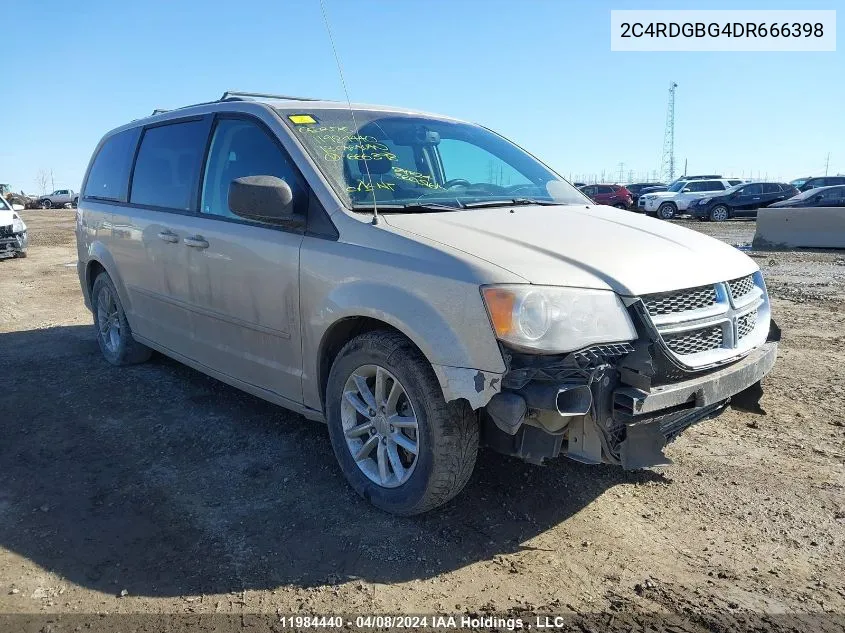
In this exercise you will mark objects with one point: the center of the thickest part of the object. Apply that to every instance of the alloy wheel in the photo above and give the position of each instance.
(719, 214)
(380, 426)
(108, 320)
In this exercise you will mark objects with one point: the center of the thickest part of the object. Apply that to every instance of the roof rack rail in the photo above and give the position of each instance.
(159, 111)
(235, 95)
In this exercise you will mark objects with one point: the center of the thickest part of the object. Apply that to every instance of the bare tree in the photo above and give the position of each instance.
(41, 179)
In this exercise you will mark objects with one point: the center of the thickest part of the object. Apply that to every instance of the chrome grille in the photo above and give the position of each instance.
(746, 323)
(694, 341)
(741, 287)
(680, 301)
(707, 325)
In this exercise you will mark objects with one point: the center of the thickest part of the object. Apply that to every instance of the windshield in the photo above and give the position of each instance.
(409, 161)
(798, 182)
(809, 193)
(3, 205)
(678, 186)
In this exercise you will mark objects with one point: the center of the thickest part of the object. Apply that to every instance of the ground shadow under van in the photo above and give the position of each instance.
(164, 482)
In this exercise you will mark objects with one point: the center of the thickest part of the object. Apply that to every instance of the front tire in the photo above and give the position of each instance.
(719, 213)
(45, 204)
(667, 211)
(113, 332)
(399, 444)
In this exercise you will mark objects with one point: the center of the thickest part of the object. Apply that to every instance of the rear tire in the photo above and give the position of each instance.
(113, 332)
(445, 434)
(667, 211)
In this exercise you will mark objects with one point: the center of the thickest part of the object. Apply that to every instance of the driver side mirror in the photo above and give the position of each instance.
(261, 198)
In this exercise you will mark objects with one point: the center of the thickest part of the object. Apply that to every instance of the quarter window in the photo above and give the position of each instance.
(109, 175)
(168, 164)
(241, 148)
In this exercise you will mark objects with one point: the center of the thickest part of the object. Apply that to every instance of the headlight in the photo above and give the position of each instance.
(556, 320)
(17, 224)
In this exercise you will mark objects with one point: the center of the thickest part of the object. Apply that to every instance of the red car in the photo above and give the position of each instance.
(611, 195)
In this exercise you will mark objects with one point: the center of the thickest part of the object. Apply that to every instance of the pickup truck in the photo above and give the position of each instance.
(58, 199)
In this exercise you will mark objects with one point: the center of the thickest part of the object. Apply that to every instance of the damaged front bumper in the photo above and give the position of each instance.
(13, 245)
(549, 412)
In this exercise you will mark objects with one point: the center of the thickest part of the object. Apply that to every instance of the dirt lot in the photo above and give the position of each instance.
(189, 497)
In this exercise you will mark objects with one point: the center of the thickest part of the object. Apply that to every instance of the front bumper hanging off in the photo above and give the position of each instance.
(622, 424)
(13, 245)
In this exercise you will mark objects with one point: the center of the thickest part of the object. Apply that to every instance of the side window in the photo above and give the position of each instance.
(752, 190)
(168, 165)
(771, 187)
(734, 183)
(829, 197)
(711, 185)
(108, 178)
(589, 191)
(241, 148)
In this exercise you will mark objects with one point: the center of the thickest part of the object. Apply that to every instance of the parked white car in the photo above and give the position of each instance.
(667, 204)
(13, 238)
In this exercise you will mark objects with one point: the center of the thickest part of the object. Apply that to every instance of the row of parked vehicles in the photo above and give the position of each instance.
(712, 197)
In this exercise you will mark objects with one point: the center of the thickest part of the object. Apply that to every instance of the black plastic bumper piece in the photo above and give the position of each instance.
(530, 443)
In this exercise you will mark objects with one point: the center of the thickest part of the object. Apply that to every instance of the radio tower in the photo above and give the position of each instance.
(667, 167)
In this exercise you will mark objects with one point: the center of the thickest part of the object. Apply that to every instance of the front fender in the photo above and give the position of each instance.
(450, 328)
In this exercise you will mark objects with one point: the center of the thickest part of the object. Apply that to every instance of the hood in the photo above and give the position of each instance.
(583, 246)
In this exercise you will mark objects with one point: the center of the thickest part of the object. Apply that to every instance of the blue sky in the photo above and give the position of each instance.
(538, 71)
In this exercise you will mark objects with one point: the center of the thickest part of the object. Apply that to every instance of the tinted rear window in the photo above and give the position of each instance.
(108, 178)
(168, 165)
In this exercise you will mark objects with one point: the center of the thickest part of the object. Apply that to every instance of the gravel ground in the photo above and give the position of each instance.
(154, 490)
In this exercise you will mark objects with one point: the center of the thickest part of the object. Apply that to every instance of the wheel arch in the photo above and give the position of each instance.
(100, 260)
(456, 383)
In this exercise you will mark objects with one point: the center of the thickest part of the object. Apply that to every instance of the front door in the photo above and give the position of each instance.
(748, 199)
(244, 275)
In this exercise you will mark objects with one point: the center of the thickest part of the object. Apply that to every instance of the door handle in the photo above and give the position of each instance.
(196, 241)
(169, 236)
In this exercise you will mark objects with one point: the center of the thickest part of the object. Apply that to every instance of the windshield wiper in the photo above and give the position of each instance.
(409, 206)
(509, 203)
